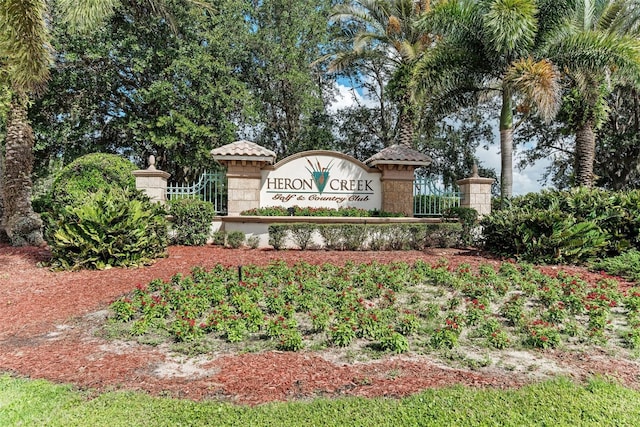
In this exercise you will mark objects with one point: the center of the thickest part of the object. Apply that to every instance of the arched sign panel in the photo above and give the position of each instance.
(321, 179)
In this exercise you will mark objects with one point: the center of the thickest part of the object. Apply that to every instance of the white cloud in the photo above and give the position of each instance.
(525, 181)
(348, 96)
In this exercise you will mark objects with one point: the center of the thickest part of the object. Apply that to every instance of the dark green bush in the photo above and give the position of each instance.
(302, 234)
(468, 218)
(626, 265)
(277, 234)
(219, 238)
(111, 228)
(565, 226)
(90, 174)
(191, 224)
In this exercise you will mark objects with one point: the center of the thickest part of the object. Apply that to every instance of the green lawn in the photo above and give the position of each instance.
(553, 403)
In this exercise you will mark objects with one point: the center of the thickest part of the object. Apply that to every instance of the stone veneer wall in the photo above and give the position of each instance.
(152, 182)
(397, 188)
(476, 194)
(243, 185)
(394, 196)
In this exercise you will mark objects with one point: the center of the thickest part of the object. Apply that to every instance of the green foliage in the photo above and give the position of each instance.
(219, 238)
(191, 221)
(626, 265)
(89, 174)
(553, 402)
(171, 86)
(416, 236)
(565, 226)
(390, 307)
(301, 234)
(468, 218)
(307, 211)
(277, 234)
(541, 334)
(111, 228)
(235, 239)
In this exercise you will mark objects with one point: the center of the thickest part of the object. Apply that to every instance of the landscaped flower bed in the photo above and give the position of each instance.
(392, 307)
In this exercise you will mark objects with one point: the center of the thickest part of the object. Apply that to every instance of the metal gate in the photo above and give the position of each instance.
(431, 199)
(211, 187)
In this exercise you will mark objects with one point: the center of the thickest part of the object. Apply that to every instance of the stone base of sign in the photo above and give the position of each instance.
(243, 185)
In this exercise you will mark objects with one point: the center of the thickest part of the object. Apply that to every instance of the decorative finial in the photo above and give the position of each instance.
(152, 162)
(474, 170)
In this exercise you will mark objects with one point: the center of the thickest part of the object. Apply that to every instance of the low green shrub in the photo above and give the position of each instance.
(235, 239)
(302, 234)
(253, 242)
(220, 238)
(369, 236)
(468, 218)
(191, 223)
(277, 235)
(114, 228)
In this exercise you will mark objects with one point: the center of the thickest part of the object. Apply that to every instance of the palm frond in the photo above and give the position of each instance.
(511, 26)
(86, 15)
(596, 52)
(539, 82)
(24, 42)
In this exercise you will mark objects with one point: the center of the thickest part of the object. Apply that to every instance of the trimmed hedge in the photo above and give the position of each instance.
(89, 174)
(191, 221)
(355, 237)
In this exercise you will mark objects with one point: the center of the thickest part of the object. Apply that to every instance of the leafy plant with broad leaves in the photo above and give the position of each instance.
(118, 227)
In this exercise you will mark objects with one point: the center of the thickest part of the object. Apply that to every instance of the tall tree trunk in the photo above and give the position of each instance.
(406, 130)
(506, 146)
(3, 235)
(585, 154)
(20, 223)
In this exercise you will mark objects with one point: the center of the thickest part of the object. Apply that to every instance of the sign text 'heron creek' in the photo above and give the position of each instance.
(321, 179)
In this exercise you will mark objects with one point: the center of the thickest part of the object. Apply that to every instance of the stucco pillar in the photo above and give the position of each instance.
(152, 182)
(476, 192)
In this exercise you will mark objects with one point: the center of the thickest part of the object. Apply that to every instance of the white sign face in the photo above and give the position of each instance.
(321, 179)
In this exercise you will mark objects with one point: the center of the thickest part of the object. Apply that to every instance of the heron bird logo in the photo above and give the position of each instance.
(319, 174)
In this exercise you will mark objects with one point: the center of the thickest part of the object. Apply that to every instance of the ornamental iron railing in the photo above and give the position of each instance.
(431, 199)
(211, 187)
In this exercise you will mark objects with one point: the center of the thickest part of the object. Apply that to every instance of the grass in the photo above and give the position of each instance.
(558, 402)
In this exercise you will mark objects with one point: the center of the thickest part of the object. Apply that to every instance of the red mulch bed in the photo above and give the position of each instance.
(46, 332)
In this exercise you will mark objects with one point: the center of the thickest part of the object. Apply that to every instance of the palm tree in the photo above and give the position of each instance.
(488, 48)
(598, 49)
(386, 31)
(26, 54)
(25, 58)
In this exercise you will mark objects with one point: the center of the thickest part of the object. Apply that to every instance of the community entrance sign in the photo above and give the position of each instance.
(321, 178)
